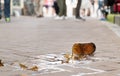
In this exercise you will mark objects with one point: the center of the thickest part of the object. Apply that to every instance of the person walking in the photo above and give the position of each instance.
(85, 7)
(6, 10)
(39, 7)
(0, 10)
(56, 8)
(62, 9)
(100, 7)
(77, 15)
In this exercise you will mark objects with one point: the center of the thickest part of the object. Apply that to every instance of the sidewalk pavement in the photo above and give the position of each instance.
(35, 41)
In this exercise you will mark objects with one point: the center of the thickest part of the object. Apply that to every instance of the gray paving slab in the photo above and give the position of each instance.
(33, 41)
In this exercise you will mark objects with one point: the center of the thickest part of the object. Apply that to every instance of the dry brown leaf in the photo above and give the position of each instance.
(67, 55)
(64, 61)
(23, 66)
(34, 68)
(76, 58)
(67, 61)
(1, 64)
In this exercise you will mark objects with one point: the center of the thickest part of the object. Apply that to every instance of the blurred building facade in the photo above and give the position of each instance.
(19, 7)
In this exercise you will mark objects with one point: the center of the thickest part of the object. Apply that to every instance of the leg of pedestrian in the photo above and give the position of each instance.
(7, 10)
(78, 10)
(0, 10)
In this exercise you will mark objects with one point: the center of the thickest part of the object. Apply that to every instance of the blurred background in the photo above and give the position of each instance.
(89, 8)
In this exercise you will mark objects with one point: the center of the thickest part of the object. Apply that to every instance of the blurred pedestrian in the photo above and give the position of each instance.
(39, 7)
(100, 7)
(78, 7)
(55, 6)
(62, 9)
(28, 7)
(48, 8)
(85, 7)
(92, 9)
(92, 2)
(0, 10)
(110, 3)
(6, 10)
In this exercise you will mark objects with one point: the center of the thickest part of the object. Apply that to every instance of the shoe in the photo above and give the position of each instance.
(39, 16)
(80, 18)
(64, 17)
(103, 19)
(58, 18)
(7, 19)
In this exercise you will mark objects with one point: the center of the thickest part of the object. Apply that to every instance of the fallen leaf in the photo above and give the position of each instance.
(64, 61)
(76, 58)
(1, 64)
(67, 61)
(67, 55)
(23, 66)
(34, 68)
